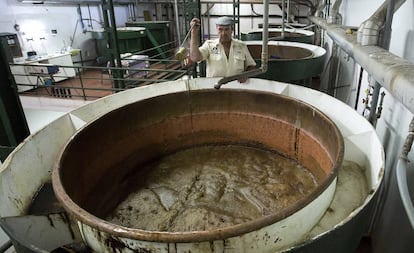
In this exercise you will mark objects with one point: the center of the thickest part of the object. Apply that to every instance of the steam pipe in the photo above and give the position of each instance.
(392, 72)
(401, 173)
(368, 32)
(265, 55)
(385, 43)
(335, 17)
(320, 7)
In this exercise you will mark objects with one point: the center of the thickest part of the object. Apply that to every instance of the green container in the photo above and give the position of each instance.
(130, 40)
(289, 61)
(158, 33)
(294, 35)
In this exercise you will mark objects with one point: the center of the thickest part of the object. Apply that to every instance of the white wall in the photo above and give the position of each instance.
(36, 23)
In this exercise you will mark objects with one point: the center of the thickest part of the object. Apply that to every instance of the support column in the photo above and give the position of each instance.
(13, 124)
(112, 42)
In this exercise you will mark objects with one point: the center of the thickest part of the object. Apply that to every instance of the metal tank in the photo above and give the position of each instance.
(29, 168)
(92, 184)
(290, 61)
(275, 34)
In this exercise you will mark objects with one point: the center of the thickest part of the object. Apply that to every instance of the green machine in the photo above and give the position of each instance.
(157, 36)
(130, 39)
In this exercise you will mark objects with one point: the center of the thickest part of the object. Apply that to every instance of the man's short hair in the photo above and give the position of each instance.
(225, 21)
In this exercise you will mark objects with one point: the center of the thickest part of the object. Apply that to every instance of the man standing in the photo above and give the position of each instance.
(225, 56)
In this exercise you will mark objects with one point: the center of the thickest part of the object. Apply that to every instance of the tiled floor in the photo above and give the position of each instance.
(96, 84)
(93, 83)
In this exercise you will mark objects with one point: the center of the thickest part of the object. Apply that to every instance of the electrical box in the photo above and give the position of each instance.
(11, 46)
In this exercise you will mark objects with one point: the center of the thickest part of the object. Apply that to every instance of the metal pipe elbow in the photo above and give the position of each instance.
(369, 31)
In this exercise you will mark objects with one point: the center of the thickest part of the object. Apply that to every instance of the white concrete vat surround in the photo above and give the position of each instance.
(30, 165)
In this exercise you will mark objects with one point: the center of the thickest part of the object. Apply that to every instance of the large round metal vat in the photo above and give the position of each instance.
(96, 169)
(289, 61)
(275, 34)
(29, 167)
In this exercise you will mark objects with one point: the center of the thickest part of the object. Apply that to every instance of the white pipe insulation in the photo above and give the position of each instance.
(369, 30)
(335, 17)
(394, 73)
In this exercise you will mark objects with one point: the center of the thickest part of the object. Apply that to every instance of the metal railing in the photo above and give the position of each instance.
(92, 82)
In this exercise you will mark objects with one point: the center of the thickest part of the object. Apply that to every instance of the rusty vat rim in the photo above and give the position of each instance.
(317, 51)
(302, 31)
(99, 224)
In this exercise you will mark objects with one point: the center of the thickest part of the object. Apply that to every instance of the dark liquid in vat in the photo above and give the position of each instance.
(210, 187)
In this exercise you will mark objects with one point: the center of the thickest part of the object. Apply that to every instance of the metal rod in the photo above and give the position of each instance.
(283, 19)
(7, 245)
(361, 72)
(177, 23)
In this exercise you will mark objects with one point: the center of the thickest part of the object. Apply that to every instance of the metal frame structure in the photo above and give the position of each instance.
(113, 47)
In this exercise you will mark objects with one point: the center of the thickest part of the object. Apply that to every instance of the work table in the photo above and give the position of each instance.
(27, 80)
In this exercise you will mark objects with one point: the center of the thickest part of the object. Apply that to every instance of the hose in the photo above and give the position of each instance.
(402, 175)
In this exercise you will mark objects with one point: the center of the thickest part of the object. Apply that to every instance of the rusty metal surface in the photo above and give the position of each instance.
(91, 177)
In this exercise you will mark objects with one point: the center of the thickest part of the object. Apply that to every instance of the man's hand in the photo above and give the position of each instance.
(243, 80)
(195, 24)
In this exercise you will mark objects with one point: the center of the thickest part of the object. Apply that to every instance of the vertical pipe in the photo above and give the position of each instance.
(283, 19)
(361, 72)
(288, 11)
(177, 23)
(265, 36)
(384, 44)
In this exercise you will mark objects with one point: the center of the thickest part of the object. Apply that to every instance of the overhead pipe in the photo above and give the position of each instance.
(319, 8)
(392, 72)
(335, 17)
(265, 54)
(369, 30)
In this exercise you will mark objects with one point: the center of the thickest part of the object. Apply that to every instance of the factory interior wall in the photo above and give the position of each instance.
(49, 29)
